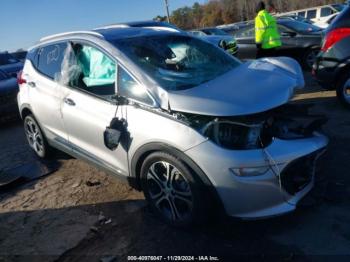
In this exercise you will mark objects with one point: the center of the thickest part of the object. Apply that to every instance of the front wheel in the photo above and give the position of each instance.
(173, 191)
(343, 90)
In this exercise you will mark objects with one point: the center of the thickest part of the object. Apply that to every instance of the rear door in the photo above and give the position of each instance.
(45, 93)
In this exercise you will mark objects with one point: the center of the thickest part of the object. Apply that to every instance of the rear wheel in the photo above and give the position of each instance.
(309, 57)
(35, 137)
(173, 191)
(343, 90)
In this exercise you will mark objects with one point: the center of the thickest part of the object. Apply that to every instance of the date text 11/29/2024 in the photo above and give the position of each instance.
(173, 258)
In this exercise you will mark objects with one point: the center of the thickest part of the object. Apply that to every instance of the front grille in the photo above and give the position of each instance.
(299, 173)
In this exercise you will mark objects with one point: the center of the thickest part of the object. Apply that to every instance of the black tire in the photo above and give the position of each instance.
(171, 209)
(342, 87)
(37, 142)
(306, 58)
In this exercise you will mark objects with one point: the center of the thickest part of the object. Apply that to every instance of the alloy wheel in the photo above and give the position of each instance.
(346, 91)
(34, 136)
(311, 57)
(170, 191)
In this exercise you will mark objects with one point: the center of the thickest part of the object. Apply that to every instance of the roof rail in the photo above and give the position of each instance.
(112, 26)
(70, 33)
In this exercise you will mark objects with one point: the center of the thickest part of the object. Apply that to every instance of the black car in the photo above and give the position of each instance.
(299, 40)
(8, 95)
(332, 66)
(9, 64)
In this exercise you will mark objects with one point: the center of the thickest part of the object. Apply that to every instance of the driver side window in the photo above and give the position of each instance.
(90, 70)
(128, 87)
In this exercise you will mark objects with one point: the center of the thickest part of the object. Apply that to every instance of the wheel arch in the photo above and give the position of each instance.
(25, 110)
(147, 149)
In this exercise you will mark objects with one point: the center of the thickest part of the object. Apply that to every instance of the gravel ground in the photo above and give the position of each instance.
(81, 214)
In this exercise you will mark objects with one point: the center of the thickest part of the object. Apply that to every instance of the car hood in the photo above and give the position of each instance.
(253, 87)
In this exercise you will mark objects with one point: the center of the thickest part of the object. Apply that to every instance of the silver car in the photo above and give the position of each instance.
(193, 127)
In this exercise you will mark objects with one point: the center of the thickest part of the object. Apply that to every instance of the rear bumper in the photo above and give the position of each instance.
(265, 195)
(325, 73)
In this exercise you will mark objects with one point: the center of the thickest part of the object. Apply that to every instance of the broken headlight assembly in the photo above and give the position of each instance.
(256, 131)
(234, 135)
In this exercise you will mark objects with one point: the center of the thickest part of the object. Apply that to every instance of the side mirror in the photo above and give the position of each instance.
(288, 34)
(120, 100)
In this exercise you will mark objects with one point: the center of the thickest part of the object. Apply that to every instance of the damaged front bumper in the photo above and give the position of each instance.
(289, 174)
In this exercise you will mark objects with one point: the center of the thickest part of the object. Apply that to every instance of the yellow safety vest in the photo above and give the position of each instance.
(266, 31)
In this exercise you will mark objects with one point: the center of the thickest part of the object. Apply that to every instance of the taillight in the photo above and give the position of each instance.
(20, 79)
(334, 36)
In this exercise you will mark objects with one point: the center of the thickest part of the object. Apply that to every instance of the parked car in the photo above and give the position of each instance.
(332, 66)
(20, 55)
(326, 22)
(295, 18)
(8, 94)
(318, 13)
(299, 40)
(9, 64)
(190, 125)
(217, 37)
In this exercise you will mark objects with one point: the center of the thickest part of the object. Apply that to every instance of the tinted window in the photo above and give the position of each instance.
(301, 13)
(6, 59)
(338, 7)
(177, 62)
(129, 88)
(326, 11)
(89, 69)
(50, 59)
(311, 14)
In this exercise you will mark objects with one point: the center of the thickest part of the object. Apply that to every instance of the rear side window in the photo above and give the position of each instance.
(301, 13)
(51, 58)
(326, 11)
(311, 14)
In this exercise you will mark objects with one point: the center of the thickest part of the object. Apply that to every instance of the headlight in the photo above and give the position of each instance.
(234, 135)
(250, 171)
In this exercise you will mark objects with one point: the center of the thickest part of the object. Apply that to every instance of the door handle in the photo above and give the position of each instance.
(69, 101)
(32, 84)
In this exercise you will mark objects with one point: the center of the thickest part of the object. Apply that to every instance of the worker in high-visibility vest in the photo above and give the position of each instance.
(267, 38)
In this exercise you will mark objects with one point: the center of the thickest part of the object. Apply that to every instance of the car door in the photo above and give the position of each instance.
(44, 92)
(246, 42)
(88, 106)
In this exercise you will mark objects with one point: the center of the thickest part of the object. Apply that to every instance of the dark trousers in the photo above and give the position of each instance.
(265, 52)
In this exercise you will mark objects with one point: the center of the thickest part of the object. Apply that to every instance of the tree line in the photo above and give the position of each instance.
(218, 12)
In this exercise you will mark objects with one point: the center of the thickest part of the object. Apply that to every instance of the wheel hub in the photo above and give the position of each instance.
(170, 191)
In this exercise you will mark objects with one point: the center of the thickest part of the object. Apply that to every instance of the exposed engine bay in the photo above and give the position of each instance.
(289, 121)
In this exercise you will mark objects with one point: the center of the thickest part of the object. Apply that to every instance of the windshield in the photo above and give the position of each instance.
(214, 31)
(338, 7)
(6, 59)
(301, 27)
(177, 62)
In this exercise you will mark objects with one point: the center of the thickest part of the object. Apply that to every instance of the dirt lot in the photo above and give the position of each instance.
(80, 214)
